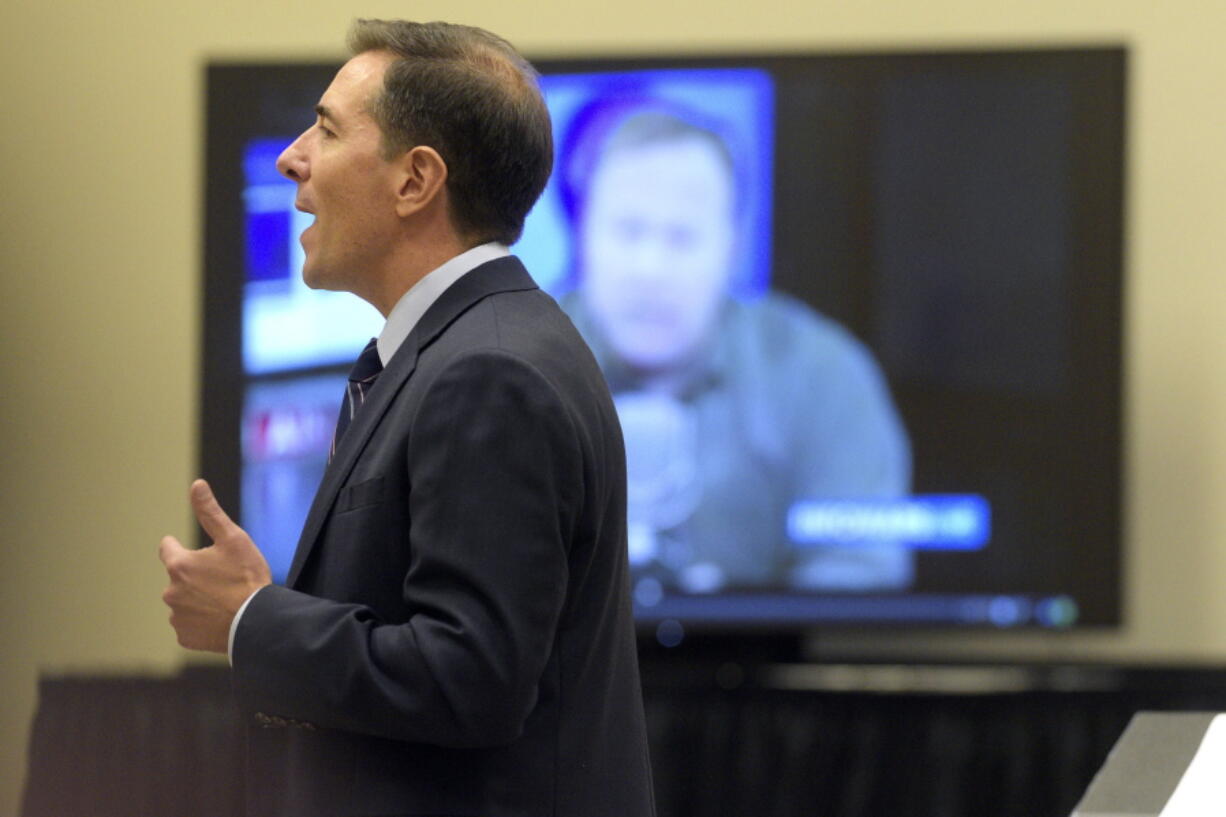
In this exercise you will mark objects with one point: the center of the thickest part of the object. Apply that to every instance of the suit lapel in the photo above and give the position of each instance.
(501, 275)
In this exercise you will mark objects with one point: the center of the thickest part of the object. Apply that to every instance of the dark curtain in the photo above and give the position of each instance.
(173, 747)
(136, 747)
(858, 755)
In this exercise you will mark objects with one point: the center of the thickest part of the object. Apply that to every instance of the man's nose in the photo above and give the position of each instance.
(292, 162)
(648, 257)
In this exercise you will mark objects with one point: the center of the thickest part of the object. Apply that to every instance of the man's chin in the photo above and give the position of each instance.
(657, 358)
(316, 278)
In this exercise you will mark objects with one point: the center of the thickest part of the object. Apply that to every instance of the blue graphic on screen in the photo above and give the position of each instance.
(938, 522)
(286, 433)
(269, 220)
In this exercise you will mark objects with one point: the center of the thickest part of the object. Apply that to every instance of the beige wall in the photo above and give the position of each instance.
(99, 244)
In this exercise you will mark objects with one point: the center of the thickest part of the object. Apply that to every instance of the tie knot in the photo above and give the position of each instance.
(368, 366)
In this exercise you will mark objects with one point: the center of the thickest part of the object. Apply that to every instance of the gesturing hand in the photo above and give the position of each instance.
(207, 586)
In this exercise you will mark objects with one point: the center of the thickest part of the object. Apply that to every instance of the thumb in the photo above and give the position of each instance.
(169, 547)
(216, 523)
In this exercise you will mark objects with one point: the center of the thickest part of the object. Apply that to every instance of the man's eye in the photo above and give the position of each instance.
(630, 229)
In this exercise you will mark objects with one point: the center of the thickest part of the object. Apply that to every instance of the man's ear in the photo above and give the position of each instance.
(422, 178)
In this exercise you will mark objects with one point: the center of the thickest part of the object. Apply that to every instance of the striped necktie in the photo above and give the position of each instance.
(362, 378)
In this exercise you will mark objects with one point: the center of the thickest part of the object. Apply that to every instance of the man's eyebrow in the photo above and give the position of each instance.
(323, 113)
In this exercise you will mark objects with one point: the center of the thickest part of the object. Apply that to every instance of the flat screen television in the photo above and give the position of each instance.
(861, 315)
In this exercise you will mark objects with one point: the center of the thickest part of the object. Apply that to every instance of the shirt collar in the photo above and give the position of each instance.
(414, 303)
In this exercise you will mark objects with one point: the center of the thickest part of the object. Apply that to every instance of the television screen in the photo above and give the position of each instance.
(860, 315)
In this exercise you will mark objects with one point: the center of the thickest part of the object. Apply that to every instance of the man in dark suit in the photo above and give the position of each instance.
(454, 637)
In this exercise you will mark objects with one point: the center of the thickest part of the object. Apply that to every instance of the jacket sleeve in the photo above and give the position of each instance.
(495, 469)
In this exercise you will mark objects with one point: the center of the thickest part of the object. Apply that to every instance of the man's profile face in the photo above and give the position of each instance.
(344, 181)
(656, 240)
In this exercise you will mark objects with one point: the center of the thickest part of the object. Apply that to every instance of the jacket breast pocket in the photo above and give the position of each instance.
(361, 495)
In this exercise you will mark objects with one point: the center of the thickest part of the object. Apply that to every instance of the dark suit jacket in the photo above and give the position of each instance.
(455, 634)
